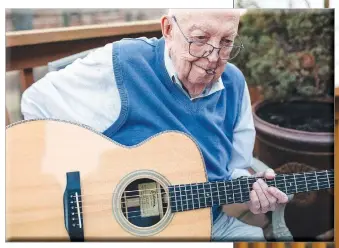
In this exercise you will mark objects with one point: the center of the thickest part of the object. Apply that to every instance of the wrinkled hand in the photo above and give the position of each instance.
(264, 198)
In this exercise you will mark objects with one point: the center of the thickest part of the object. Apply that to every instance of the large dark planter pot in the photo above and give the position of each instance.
(276, 146)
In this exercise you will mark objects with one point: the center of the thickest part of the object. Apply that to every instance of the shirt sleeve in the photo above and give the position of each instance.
(84, 92)
(243, 139)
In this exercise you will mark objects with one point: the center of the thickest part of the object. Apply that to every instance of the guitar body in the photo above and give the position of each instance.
(40, 153)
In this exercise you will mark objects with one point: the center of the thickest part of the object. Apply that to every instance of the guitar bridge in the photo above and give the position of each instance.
(73, 207)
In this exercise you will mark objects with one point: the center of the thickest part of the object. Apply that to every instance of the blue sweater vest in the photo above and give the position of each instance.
(151, 103)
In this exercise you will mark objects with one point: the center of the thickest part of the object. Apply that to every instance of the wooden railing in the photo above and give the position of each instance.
(28, 49)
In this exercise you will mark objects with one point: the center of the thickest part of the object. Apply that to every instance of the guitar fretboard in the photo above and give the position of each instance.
(201, 195)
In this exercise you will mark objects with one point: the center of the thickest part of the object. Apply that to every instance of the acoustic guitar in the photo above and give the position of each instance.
(65, 181)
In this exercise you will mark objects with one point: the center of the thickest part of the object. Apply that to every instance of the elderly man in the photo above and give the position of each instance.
(135, 88)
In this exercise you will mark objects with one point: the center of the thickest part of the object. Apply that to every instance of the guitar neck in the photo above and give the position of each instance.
(185, 197)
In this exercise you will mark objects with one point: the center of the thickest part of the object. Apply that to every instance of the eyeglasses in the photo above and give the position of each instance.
(203, 50)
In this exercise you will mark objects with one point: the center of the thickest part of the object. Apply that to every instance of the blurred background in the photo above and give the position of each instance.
(18, 20)
(288, 63)
(282, 4)
(27, 19)
(37, 19)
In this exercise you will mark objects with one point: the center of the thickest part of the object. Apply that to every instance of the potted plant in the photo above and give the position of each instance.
(289, 59)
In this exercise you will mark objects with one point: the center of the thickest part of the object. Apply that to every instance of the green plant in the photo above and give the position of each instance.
(288, 53)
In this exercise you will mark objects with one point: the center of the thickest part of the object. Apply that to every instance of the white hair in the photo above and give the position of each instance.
(187, 12)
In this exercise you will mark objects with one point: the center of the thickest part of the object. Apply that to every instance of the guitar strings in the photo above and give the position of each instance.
(278, 183)
(227, 191)
(90, 208)
(270, 180)
(188, 198)
(191, 198)
(315, 174)
(209, 200)
(109, 207)
(183, 207)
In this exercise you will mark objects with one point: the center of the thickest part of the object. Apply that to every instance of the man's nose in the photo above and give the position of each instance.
(214, 56)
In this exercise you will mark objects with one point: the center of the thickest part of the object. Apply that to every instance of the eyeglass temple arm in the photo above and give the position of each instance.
(175, 20)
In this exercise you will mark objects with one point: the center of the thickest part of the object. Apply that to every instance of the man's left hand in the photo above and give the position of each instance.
(264, 198)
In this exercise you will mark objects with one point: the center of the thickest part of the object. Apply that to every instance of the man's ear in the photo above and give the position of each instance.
(166, 27)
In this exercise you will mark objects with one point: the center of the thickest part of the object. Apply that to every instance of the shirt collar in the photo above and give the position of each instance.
(216, 86)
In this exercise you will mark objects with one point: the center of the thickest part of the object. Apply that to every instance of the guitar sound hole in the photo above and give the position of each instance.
(144, 202)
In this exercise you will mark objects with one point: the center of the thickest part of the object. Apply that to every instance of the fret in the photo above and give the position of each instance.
(229, 195)
(181, 198)
(301, 182)
(285, 184)
(309, 182)
(232, 191)
(244, 189)
(305, 182)
(192, 197)
(189, 197)
(329, 185)
(322, 179)
(241, 200)
(316, 178)
(226, 201)
(312, 183)
(186, 196)
(250, 182)
(291, 183)
(198, 195)
(175, 196)
(295, 183)
(248, 188)
(215, 194)
(236, 191)
(211, 194)
(205, 195)
(218, 193)
(202, 192)
(184, 193)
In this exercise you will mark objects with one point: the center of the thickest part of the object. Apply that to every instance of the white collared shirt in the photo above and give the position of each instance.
(86, 92)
